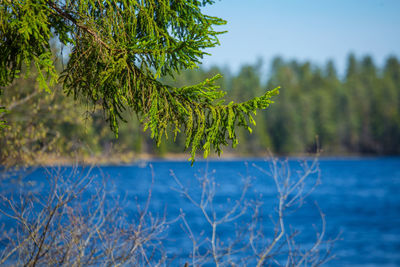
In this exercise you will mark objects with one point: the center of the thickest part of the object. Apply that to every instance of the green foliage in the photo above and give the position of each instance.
(349, 114)
(358, 113)
(25, 32)
(38, 123)
(119, 50)
(3, 111)
(313, 100)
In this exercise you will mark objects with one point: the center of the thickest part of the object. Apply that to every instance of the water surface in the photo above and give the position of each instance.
(359, 196)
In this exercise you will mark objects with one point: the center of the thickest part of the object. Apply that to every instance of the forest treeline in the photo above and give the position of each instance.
(354, 113)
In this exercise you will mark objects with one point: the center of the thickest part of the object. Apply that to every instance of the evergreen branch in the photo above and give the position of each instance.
(196, 109)
(69, 17)
(119, 48)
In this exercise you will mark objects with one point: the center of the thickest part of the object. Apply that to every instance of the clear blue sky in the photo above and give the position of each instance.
(315, 30)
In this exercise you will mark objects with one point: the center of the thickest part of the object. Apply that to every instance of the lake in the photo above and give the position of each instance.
(360, 198)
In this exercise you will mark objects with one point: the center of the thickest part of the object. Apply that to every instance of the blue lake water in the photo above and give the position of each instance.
(359, 196)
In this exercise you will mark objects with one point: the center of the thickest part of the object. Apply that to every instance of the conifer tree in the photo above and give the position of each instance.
(119, 50)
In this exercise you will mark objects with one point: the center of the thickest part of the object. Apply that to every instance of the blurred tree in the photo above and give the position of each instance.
(284, 118)
(370, 87)
(386, 127)
(350, 102)
(327, 110)
(312, 97)
(118, 50)
(3, 111)
(40, 123)
(247, 85)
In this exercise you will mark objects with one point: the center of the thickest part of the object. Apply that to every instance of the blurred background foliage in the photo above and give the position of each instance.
(354, 113)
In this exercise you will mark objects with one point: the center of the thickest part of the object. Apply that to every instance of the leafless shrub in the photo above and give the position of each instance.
(252, 244)
(74, 224)
(73, 220)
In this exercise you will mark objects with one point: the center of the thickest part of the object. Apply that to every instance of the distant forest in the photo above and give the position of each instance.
(358, 113)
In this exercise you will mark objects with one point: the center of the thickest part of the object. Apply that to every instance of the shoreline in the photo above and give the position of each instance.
(131, 158)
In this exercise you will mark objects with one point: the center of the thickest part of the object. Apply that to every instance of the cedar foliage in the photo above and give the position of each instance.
(119, 50)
